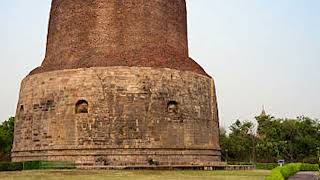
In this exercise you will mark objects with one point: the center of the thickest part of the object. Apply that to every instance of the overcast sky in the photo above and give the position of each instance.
(260, 52)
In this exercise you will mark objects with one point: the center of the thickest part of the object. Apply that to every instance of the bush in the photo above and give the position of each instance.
(275, 174)
(11, 166)
(281, 173)
(267, 166)
(309, 167)
(31, 165)
(290, 169)
(240, 163)
(57, 165)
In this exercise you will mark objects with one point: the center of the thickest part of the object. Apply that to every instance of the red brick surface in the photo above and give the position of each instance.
(100, 33)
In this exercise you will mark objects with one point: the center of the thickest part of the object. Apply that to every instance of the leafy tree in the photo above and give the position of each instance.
(6, 137)
(239, 143)
(290, 139)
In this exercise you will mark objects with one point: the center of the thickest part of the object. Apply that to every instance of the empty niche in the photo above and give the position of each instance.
(21, 108)
(172, 107)
(82, 107)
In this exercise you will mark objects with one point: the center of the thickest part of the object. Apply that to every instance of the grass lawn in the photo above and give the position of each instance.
(130, 175)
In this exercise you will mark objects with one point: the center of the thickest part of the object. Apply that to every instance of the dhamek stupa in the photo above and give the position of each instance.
(117, 88)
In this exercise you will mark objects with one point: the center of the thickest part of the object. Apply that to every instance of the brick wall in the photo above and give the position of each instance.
(100, 33)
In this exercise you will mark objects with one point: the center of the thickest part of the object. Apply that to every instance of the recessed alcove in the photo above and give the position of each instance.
(82, 107)
(21, 108)
(172, 107)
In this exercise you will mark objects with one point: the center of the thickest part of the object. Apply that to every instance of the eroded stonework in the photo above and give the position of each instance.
(135, 116)
(117, 88)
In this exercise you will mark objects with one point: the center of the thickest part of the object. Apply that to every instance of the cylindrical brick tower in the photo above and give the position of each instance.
(117, 88)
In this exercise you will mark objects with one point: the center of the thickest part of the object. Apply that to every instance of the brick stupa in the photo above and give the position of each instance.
(117, 88)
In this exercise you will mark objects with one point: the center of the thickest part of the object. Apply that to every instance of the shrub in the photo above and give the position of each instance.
(290, 169)
(281, 173)
(309, 167)
(275, 174)
(11, 166)
(30, 165)
(267, 166)
(57, 165)
(239, 163)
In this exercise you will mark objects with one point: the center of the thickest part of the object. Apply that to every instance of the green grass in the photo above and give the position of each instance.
(131, 175)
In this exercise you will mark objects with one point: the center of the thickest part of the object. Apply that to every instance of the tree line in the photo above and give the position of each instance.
(272, 139)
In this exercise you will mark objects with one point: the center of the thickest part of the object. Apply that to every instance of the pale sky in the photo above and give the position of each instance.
(260, 52)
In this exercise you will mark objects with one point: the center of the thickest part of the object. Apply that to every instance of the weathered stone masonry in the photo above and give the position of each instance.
(127, 115)
(117, 88)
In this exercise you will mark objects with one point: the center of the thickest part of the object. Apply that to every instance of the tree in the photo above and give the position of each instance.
(6, 137)
(239, 143)
(290, 139)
